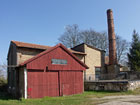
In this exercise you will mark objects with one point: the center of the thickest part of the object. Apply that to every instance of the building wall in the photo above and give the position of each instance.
(11, 60)
(58, 53)
(24, 54)
(69, 76)
(103, 69)
(16, 56)
(92, 59)
(58, 83)
(21, 82)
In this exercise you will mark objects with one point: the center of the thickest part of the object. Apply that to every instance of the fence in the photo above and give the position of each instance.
(127, 75)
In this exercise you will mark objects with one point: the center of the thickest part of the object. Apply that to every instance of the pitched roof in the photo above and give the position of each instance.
(41, 47)
(76, 52)
(89, 46)
(30, 45)
(51, 49)
(95, 48)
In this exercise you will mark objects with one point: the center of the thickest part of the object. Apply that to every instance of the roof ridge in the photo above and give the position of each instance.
(93, 47)
(19, 42)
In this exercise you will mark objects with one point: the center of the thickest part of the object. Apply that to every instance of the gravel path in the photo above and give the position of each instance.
(119, 100)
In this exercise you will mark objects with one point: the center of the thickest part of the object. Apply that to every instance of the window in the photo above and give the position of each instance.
(59, 61)
(97, 72)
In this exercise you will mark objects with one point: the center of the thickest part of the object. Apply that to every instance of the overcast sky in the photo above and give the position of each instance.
(43, 21)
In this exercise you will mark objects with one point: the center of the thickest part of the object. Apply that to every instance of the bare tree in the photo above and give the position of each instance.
(93, 38)
(70, 37)
(122, 47)
(73, 36)
(3, 79)
(3, 71)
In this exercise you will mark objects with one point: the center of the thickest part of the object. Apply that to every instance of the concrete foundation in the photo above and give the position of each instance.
(112, 85)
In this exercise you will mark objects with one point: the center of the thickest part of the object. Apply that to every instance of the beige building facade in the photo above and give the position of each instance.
(94, 59)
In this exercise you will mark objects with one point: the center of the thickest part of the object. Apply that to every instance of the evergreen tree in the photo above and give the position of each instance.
(134, 52)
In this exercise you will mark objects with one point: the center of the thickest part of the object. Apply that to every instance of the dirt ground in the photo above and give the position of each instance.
(118, 100)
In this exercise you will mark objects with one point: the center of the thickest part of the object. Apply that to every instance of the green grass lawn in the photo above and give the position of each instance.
(80, 99)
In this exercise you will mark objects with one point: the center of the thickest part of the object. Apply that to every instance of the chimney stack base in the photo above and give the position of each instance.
(112, 71)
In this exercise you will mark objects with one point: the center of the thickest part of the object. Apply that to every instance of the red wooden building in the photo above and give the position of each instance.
(54, 72)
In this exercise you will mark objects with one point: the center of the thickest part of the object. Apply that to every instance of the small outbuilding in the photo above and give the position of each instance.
(54, 72)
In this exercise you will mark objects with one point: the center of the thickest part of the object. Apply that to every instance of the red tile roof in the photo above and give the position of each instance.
(36, 46)
(30, 45)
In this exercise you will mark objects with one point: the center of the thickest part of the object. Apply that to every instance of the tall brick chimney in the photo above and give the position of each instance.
(112, 39)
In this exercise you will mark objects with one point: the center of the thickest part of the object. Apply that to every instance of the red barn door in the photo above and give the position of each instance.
(71, 82)
(42, 84)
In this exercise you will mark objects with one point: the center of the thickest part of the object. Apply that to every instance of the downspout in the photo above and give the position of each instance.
(25, 83)
(59, 84)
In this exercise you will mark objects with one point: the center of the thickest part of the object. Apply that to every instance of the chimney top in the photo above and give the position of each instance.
(109, 10)
(110, 14)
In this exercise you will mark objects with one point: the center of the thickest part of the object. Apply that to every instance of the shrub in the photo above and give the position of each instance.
(3, 84)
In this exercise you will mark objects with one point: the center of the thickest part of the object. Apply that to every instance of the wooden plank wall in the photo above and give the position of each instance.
(58, 53)
(41, 84)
